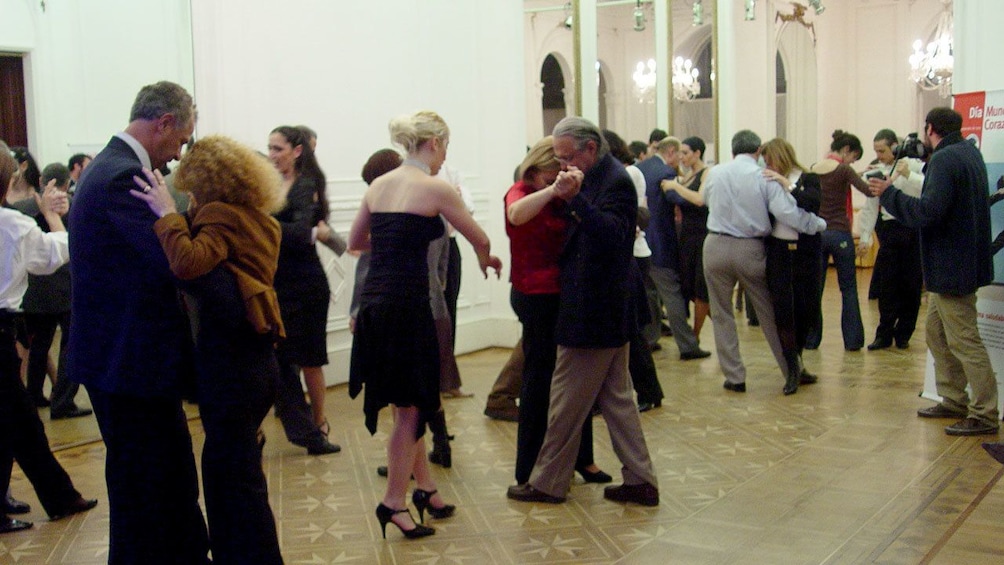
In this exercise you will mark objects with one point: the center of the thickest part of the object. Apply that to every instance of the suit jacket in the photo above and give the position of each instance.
(661, 233)
(595, 308)
(131, 334)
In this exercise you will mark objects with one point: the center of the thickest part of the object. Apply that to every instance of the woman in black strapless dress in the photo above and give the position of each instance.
(395, 351)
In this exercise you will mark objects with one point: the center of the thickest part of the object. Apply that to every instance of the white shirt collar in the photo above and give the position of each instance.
(137, 147)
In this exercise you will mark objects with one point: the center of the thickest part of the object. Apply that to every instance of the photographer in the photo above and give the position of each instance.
(897, 266)
(953, 214)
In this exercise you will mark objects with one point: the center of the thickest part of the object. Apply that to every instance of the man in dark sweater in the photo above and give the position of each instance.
(953, 215)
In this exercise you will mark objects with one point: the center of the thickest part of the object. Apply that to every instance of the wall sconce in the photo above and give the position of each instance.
(639, 17)
(750, 10)
(698, 13)
(568, 16)
(817, 5)
(685, 84)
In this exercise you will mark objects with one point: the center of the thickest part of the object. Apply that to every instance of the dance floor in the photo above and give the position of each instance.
(842, 472)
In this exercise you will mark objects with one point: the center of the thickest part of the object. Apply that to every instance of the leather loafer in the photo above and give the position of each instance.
(695, 354)
(879, 344)
(734, 387)
(12, 505)
(8, 525)
(504, 414)
(76, 507)
(644, 494)
(526, 493)
(323, 447)
(996, 450)
(971, 427)
(75, 413)
(646, 406)
(939, 411)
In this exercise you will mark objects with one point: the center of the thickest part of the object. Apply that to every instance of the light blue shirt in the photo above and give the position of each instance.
(739, 199)
(136, 146)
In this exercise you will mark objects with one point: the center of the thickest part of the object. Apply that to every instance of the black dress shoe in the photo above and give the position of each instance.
(76, 507)
(646, 406)
(902, 344)
(644, 494)
(734, 387)
(807, 378)
(695, 354)
(526, 493)
(75, 413)
(880, 343)
(323, 447)
(12, 505)
(8, 525)
(996, 450)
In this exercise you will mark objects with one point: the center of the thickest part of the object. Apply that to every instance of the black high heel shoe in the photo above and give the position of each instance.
(591, 477)
(423, 502)
(385, 514)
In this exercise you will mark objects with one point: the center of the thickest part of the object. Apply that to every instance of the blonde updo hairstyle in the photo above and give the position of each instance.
(410, 132)
(219, 169)
(540, 157)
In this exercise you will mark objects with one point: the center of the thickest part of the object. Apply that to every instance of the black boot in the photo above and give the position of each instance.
(794, 372)
(441, 454)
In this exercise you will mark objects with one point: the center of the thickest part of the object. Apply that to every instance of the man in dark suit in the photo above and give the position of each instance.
(594, 322)
(661, 237)
(131, 346)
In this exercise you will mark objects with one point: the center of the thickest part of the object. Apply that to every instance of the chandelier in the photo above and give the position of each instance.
(932, 68)
(685, 84)
(644, 80)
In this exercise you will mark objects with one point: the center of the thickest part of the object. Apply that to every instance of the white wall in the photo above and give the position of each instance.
(346, 69)
(85, 61)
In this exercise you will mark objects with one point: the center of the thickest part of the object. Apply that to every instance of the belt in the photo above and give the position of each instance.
(712, 232)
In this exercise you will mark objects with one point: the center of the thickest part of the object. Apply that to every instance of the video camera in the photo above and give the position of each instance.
(912, 147)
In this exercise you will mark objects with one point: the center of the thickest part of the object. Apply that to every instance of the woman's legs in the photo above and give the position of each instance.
(701, 311)
(402, 452)
(313, 377)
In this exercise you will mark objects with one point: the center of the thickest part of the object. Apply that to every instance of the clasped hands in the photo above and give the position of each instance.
(568, 183)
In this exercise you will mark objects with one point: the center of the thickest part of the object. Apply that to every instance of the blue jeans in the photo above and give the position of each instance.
(840, 245)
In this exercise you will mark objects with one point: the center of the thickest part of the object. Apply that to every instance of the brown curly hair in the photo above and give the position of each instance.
(219, 169)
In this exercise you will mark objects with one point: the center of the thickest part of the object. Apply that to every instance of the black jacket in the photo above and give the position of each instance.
(595, 310)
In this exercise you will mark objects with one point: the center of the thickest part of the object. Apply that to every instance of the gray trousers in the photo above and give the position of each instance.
(582, 377)
(667, 282)
(728, 260)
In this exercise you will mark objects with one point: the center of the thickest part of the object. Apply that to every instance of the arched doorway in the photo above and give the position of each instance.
(553, 93)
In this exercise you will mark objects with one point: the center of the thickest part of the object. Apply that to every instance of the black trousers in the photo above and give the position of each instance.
(291, 406)
(900, 280)
(806, 273)
(779, 253)
(235, 393)
(42, 330)
(539, 315)
(153, 489)
(22, 436)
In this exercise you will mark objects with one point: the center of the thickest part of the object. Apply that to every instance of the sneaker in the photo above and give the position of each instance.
(971, 427)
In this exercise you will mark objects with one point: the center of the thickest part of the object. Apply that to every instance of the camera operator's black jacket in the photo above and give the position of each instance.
(953, 214)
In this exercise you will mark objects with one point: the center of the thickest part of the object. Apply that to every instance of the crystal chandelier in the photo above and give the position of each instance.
(644, 80)
(685, 84)
(932, 68)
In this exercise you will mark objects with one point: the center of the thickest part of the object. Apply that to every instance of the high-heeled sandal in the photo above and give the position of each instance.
(325, 428)
(423, 502)
(386, 514)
